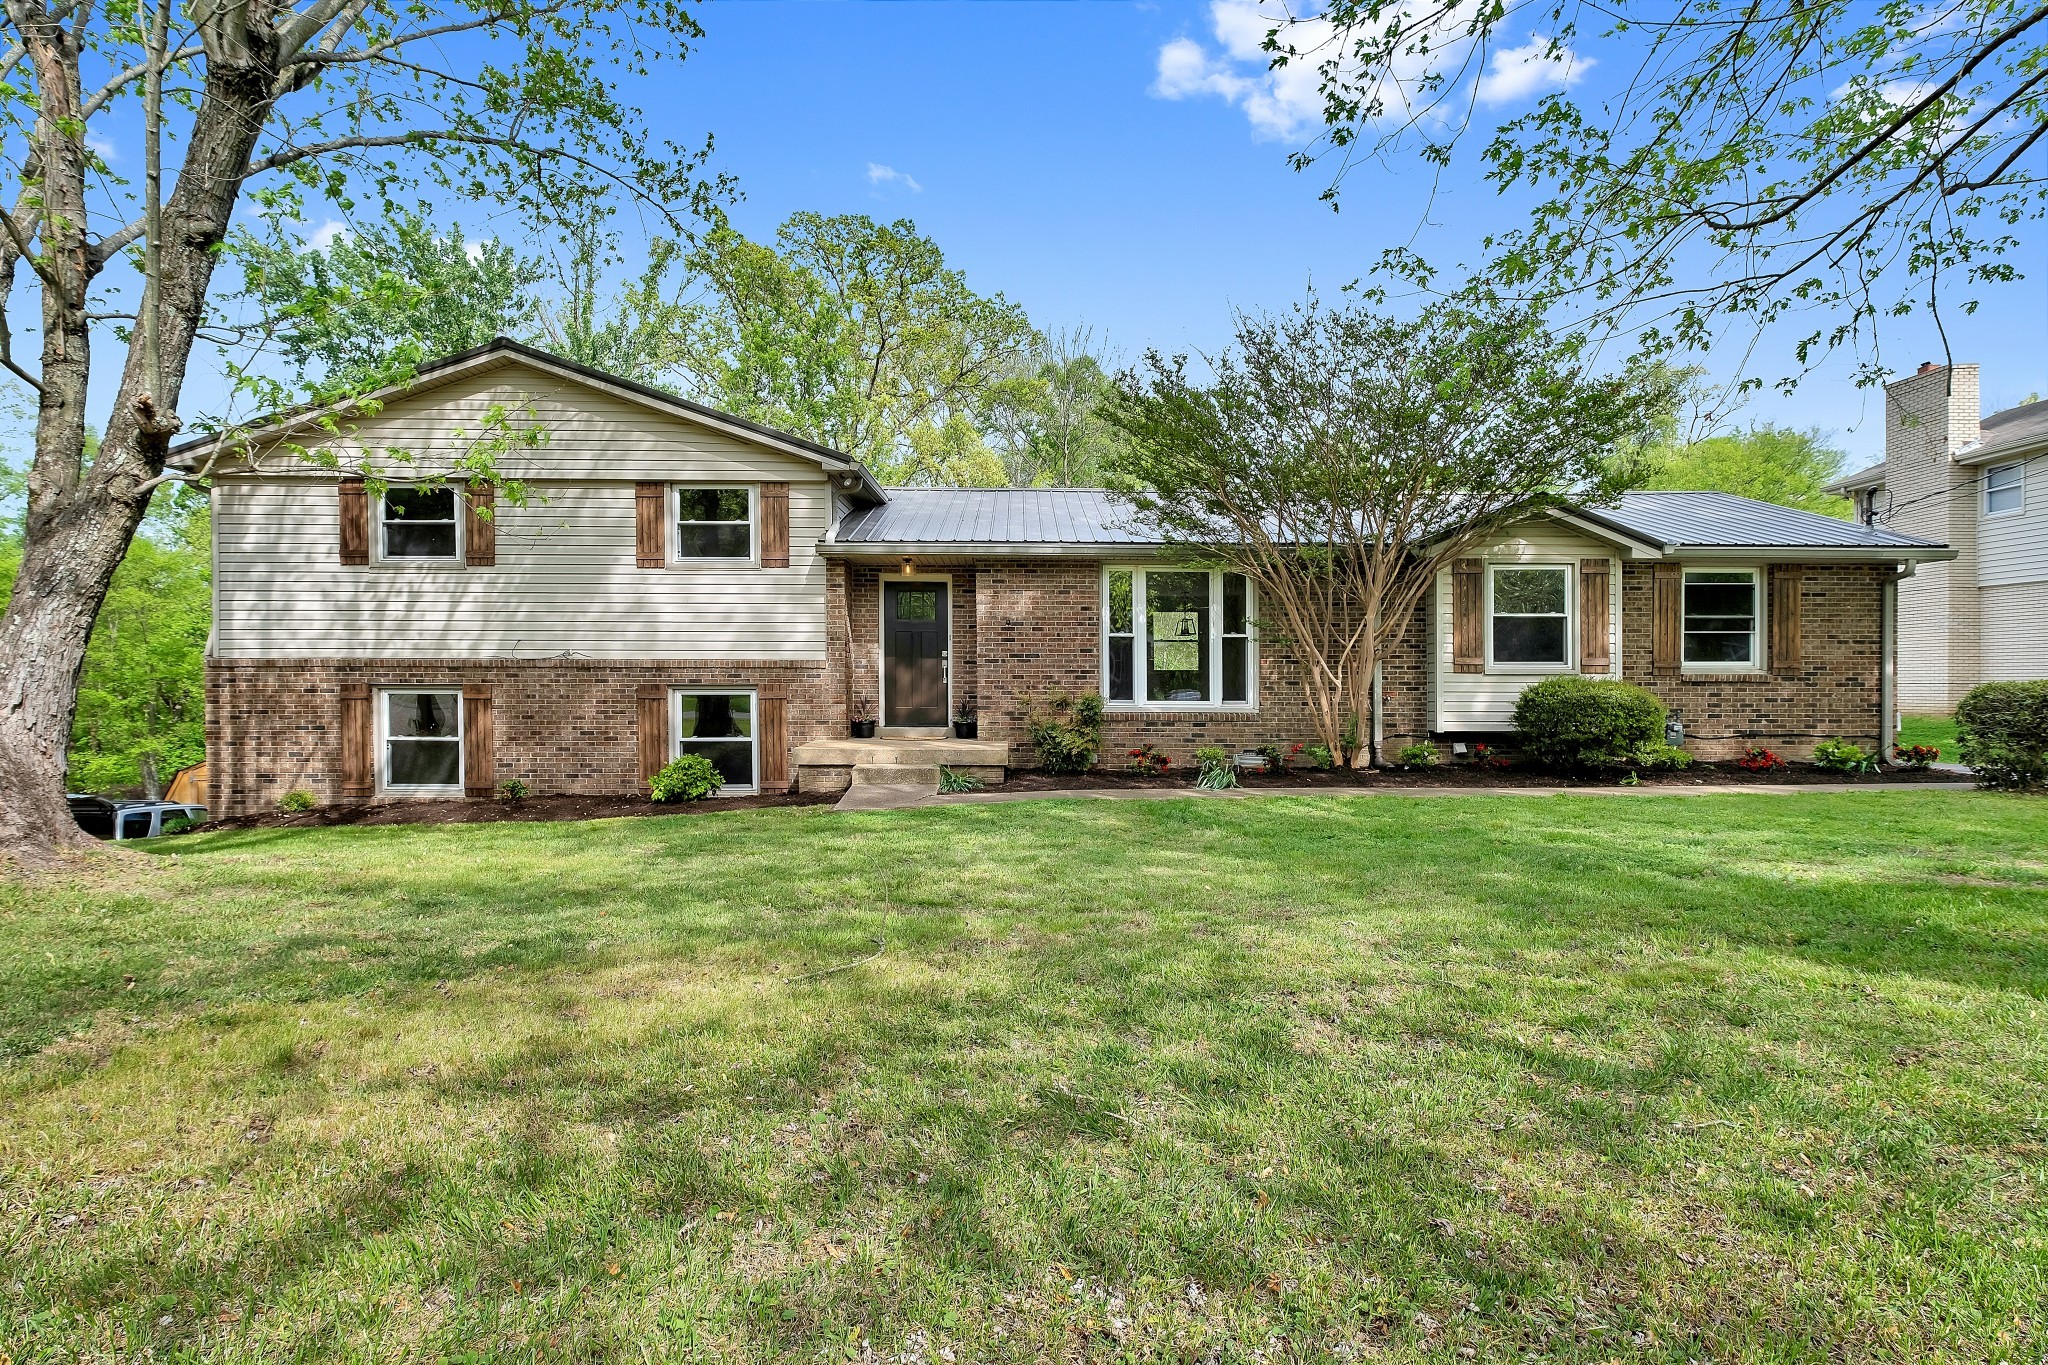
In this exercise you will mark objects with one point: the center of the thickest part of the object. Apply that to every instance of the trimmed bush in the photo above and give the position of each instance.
(1574, 722)
(1839, 755)
(297, 802)
(2002, 731)
(688, 778)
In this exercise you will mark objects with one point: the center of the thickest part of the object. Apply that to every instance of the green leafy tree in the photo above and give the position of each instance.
(636, 332)
(385, 295)
(1340, 458)
(854, 333)
(1772, 464)
(1823, 160)
(222, 107)
(1045, 416)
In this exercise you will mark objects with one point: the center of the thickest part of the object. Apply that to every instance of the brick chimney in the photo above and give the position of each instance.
(1929, 417)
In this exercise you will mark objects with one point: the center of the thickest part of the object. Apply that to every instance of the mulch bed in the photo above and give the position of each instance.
(1471, 775)
(462, 812)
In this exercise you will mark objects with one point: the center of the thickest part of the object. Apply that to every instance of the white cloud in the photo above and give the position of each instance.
(880, 175)
(324, 236)
(1519, 73)
(1287, 103)
(104, 149)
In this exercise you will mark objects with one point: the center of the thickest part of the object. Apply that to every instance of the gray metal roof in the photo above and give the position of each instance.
(1678, 520)
(1079, 517)
(995, 516)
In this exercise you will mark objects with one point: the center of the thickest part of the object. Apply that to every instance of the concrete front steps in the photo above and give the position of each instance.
(896, 767)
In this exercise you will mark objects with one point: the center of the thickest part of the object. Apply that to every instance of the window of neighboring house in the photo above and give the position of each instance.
(1530, 616)
(1176, 637)
(1721, 618)
(422, 740)
(714, 523)
(720, 727)
(2005, 489)
(419, 523)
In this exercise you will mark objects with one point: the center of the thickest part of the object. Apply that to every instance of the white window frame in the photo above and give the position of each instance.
(1759, 635)
(675, 523)
(2018, 485)
(676, 739)
(384, 782)
(1570, 662)
(1215, 642)
(384, 555)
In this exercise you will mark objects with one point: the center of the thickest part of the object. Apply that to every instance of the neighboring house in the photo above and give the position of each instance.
(1981, 486)
(684, 581)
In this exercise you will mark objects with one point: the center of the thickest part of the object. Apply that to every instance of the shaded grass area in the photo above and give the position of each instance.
(1728, 1077)
(1939, 731)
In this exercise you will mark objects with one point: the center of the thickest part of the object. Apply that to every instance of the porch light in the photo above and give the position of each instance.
(907, 566)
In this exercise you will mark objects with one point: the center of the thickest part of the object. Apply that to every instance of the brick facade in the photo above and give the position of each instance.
(1021, 628)
(1836, 692)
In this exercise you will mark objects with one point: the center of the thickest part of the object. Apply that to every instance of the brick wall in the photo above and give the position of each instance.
(564, 726)
(1835, 693)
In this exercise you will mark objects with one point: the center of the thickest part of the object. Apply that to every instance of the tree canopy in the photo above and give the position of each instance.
(1769, 463)
(1826, 164)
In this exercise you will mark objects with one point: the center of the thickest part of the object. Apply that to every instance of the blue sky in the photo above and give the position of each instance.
(1029, 139)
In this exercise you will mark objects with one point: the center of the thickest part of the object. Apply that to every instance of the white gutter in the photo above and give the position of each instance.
(1888, 681)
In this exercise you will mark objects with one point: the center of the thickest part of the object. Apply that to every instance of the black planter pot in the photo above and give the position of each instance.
(863, 729)
(966, 729)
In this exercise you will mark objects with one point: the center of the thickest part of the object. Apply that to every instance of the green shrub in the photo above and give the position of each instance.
(1418, 756)
(688, 778)
(2002, 732)
(515, 790)
(1574, 722)
(1659, 757)
(1067, 731)
(297, 801)
(1839, 755)
(1218, 770)
(951, 782)
(1320, 755)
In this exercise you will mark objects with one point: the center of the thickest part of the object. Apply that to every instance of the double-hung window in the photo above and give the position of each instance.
(420, 523)
(719, 726)
(714, 523)
(1530, 625)
(422, 740)
(2005, 489)
(1177, 637)
(1722, 617)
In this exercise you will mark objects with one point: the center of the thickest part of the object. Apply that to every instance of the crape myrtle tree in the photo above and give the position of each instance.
(218, 104)
(1735, 164)
(1339, 458)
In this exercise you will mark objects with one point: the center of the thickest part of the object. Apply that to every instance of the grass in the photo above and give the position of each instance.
(1939, 731)
(1733, 1077)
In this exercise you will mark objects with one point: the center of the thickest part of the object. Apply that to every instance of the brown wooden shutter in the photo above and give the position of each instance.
(1594, 655)
(1666, 592)
(1468, 624)
(651, 703)
(774, 739)
(774, 525)
(651, 545)
(355, 522)
(479, 741)
(358, 743)
(480, 526)
(1786, 585)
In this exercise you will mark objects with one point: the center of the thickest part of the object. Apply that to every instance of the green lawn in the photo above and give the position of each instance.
(1584, 1079)
(1939, 731)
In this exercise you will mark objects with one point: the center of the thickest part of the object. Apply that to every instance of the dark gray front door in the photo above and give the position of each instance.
(914, 653)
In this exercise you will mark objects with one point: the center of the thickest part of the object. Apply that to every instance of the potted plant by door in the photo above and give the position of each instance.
(863, 726)
(965, 726)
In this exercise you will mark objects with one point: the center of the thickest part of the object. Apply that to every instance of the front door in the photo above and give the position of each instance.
(914, 654)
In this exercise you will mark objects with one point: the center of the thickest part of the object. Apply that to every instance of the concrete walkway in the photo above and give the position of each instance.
(874, 798)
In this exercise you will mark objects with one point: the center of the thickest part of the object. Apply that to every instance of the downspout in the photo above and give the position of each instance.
(1888, 683)
(1379, 697)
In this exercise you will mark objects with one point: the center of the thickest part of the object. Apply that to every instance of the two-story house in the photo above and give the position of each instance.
(682, 581)
(1979, 484)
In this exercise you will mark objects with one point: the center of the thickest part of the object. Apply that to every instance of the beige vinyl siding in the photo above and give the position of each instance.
(565, 579)
(2015, 647)
(1486, 701)
(2013, 548)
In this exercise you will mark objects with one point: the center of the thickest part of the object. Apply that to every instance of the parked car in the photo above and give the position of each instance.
(103, 818)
